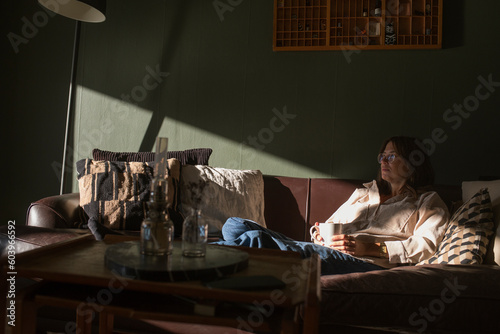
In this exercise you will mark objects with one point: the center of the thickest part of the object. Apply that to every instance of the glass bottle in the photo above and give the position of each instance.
(378, 8)
(157, 229)
(427, 8)
(194, 235)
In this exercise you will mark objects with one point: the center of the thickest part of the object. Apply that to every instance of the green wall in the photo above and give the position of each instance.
(221, 86)
(36, 62)
(224, 81)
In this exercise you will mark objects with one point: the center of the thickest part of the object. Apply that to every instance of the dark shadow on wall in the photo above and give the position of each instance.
(169, 47)
(453, 23)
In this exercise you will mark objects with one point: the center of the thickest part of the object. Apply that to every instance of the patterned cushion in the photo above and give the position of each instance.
(471, 187)
(466, 238)
(114, 194)
(196, 156)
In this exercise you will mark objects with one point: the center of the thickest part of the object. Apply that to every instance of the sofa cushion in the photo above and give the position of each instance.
(471, 187)
(196, 156)
(428, 298)
(222, 193)
(286, 201)
(327, 195)
(114, 193)
(467, 234)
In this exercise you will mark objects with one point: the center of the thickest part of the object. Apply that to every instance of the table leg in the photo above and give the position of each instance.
(26, 310)
(26, 317)
(106, 322)
(84, 316)
(313, 297)
(290, 322)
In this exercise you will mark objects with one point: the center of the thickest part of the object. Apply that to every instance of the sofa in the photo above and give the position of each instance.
(429, 298)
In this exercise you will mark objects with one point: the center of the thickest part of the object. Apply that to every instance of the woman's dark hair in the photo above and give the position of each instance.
(421, 173)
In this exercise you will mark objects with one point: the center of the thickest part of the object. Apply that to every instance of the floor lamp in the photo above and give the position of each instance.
(92, 11)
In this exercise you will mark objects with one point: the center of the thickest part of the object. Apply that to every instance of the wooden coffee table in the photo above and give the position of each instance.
(73, 274)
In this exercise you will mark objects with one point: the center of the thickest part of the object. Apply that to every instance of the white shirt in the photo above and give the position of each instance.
(411, 225)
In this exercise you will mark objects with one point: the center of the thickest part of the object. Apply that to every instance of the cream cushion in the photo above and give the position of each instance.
(222, 193)
(469, 188)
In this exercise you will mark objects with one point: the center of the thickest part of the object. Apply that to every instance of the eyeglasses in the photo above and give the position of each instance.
(389, 158)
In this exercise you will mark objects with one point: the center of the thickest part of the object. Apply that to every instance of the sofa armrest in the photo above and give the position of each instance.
(60, 211)
(31, 237)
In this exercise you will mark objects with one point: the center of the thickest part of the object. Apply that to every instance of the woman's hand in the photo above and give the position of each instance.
(349, 245)
(341, 242)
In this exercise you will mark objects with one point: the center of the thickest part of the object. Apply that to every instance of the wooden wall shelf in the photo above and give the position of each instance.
(301, 25)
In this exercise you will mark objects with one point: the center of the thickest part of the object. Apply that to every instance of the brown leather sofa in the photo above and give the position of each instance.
(414, 299)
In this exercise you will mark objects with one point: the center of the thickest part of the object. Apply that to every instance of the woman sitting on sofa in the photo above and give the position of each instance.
(392, 220)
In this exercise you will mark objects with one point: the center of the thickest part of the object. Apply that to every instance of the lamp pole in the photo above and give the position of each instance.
(79, 10)
(72, 84)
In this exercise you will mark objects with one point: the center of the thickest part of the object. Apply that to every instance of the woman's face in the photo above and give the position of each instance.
(395, 172)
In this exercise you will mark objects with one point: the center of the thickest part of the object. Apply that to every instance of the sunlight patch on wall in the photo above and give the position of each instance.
(107, 123)
(115, 125)
(228, 153)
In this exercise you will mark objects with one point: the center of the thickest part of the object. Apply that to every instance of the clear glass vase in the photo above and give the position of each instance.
(194, 235)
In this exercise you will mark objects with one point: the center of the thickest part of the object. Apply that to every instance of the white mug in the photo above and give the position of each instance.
(327, 230)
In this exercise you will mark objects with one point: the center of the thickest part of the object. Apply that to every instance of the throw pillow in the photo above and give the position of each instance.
(196, 156)
(468, 233)
(114, 193)
(471, 187)
(222, 193)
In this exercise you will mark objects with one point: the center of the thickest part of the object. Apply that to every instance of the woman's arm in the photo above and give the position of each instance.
(432, 220)
(376, 249)
(427, 230)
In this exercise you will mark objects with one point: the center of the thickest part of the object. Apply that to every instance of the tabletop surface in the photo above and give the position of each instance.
(82, 261)
(126, 259)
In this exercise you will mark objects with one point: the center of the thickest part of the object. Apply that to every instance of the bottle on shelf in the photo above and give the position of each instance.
(378, 8)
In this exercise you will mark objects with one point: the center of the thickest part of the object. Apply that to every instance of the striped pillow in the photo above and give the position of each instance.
(467, 236)
(114, 193)
(195, 156)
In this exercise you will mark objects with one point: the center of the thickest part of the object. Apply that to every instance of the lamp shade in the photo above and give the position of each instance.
(81, 10)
